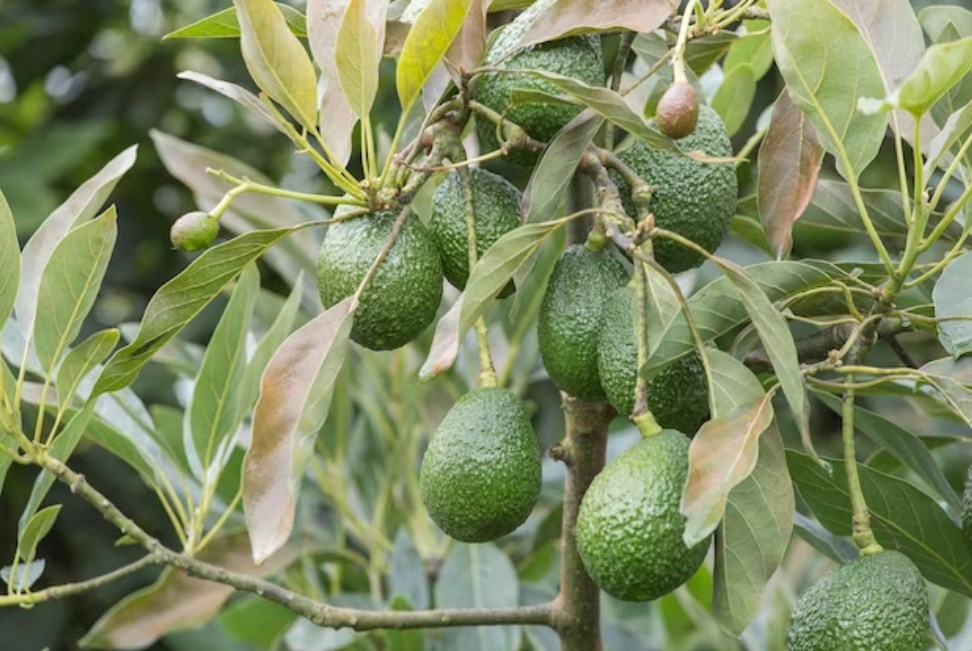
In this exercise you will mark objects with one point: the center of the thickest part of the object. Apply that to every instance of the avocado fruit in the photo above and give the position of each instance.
(570, 317)
(878, 601)
(480, 476)
(578, 57)
(496, 211)
(403, 296)
(629, 528)
(692, 198)
(678, 395)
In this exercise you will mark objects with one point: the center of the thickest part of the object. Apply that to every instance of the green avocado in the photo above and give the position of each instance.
(496, 210)
(403, 297)
(877, 602)
(692, 198)
(678, 396)
(629, 528)
(570, 317)
(967, 509)
(578, 57)
(480, 476)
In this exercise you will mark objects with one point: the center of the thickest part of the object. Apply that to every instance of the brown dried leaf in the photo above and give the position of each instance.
(569, 17)
(295, 394)
(788, 167)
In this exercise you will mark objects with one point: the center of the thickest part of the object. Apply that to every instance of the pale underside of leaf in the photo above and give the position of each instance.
(568, 17)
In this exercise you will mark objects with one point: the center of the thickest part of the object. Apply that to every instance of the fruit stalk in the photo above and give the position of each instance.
(862, 533)
(642, 416)
(577, 608)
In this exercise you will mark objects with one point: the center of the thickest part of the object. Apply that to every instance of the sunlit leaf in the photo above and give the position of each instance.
(358, 52)
(953, 299)
(225, 24)
(294, 400)
(943, 65)
(276, 59)
(569, 17)
(788, 167)
(427, 42)
(70, 284)
(337, 121)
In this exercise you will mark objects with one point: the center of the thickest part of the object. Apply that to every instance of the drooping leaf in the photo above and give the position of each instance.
(214, 406)
(37, 526)
(225, 24)
(177, 601)
(358, 52)
(9, 260)
(788, 167)
(294, 400)
(81, 206)
(902, 517)
(953, 299)
(427, 42)
(181, 299)
(569, 17)
(734, 97)
(943, 65)
(445, 344)
(337, 122)
(827, 88)
(70, 284)
(407, 577)
(276, 59)
(81, 360)
(552, 175)
(478, 576)
(238, 94)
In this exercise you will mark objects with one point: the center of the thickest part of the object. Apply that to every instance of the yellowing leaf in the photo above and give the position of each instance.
(427, 42)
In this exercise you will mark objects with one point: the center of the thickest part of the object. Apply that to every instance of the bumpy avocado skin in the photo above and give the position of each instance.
(570, 317)
(480, 476)
(579, 57)
(967, 509)
(402, 298)
(678, 396)
(692, 198)
(875, 602)
(629, 529)
(496, 208)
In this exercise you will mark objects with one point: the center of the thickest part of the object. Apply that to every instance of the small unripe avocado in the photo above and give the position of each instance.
(629, 528)
(194, 231)
(578, 57)
(692, 198)
(678, 396)
(875, 602)
(967, 509)
(570, 317)
(678, 110)
(480, 476)
(403, 297)
(496, 209)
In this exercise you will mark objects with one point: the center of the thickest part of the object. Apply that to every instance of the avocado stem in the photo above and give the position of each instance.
(861, 520)
(641, 415)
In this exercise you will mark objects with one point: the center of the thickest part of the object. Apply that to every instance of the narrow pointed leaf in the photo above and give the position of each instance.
(38, 526)
(337, 121)
(9, 260)
(445, 344)
(436, 26)
(70, 284)
(81, 360)
(276, 59)
(952, 299)
(238, 94)
(178, 301)
(225, 24)
(358, 52)
(294, 399)
(943, 148)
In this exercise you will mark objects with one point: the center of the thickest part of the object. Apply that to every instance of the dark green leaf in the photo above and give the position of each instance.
(225, 24)
(256, 621)
(953, 298)
(834, 547)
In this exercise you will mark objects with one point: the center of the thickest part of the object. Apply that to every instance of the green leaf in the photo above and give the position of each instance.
(939, 20)
(905, 446)
(612, 107)
(827, 87)
(177, 601)
(943, 65)
(294, 400)
(834, 547)
(734, 97)
(407, 577)
(181, 299)
(9, 260)
(953, 299)
(257, 621)
(81, 360)
(428, 40)
(903, 518)
(725, 449)
(62, 448)
(753, 48)
(478, 576)
(214, 406)
(413, 640)
(941, 150)
(550, 179)
(276, 59)
(445, 344)
(240, 95)
(562, 18)
(225, 24)
(38, 526)
(70, 284)
(77, 209)
(358, 53)
(25, 576)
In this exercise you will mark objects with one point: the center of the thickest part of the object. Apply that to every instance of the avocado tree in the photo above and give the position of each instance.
(312, 504)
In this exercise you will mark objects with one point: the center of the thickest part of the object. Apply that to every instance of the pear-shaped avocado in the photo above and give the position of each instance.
(875, 602)
(402, 298)
(678, 396)
(570, 317)
(496, 211)
(629, 528)
(578, 57)
(692, 198)
(480, 476)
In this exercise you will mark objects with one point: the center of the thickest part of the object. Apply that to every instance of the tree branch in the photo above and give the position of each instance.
(70, 589)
